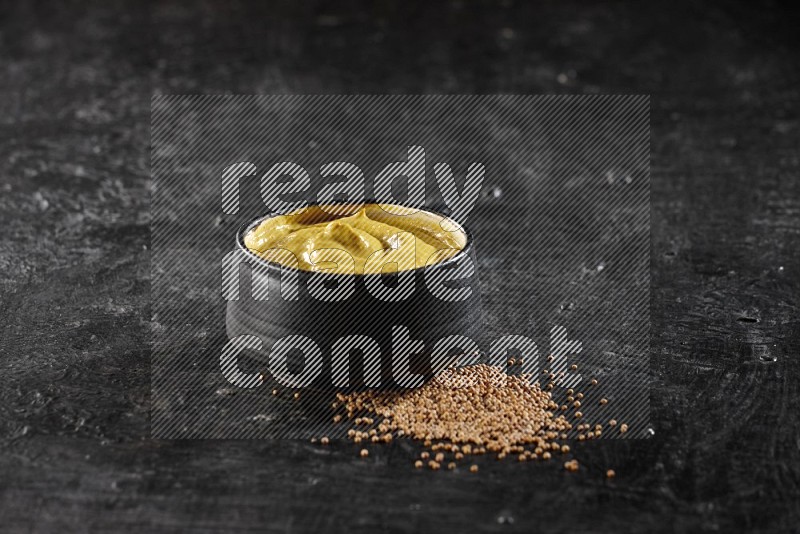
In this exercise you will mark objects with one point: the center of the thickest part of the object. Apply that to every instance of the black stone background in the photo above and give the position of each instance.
(75, 82)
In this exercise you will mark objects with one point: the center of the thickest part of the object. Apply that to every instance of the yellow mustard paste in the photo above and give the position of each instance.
(369, 240)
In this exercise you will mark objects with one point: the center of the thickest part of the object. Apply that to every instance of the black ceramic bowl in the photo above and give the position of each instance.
(423, 316)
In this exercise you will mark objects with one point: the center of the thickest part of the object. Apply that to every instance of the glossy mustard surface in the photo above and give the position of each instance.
(347, 239)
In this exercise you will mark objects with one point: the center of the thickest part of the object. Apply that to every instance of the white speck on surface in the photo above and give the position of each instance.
(505, 518)
(41, 202)
(507, 33)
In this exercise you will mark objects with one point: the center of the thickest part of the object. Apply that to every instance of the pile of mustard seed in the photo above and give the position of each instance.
(472, 410)
(468, 411)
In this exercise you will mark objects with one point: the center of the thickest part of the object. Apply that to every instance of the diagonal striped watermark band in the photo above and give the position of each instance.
(552, 190)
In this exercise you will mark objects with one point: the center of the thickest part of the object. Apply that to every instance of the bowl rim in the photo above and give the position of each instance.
(246, 227)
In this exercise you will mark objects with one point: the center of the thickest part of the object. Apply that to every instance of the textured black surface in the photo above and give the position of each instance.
(74, 264)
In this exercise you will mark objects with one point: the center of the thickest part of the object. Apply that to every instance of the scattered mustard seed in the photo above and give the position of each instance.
(571, 465)
(449, 415)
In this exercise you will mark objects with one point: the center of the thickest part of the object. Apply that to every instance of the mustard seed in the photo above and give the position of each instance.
(623, 428)
(571, 465)
(473, 468)
(523, 415)
(610, 473)
(364, 453)
(418, 464)
(451, 466)
(324, 440)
